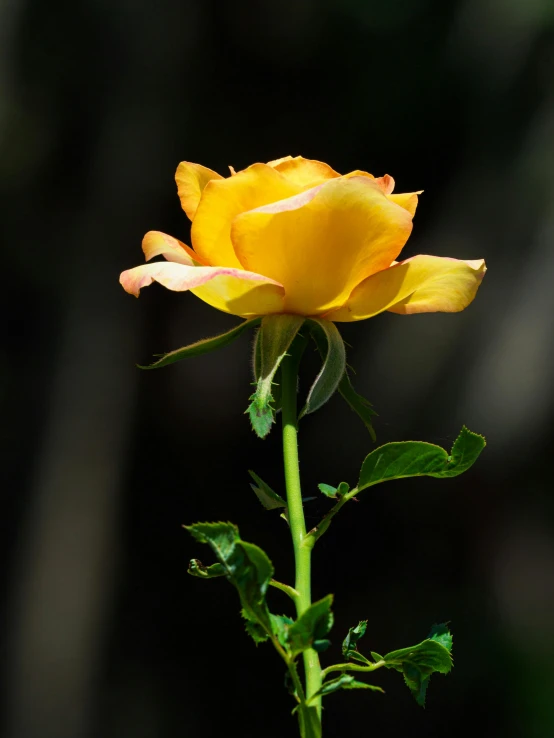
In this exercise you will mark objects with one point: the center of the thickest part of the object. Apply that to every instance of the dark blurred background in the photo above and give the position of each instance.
(103, 632)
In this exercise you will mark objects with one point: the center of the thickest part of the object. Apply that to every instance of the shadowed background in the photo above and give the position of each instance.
(104, 634)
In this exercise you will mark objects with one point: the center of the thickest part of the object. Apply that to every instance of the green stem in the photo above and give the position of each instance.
(290, 591)
(351, 667)
(301, 542)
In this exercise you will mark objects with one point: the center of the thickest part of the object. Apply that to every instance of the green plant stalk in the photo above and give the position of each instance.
(301, 542)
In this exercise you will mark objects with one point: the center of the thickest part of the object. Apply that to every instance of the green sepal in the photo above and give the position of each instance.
(362, 407)
(197, 569)
(349, 647)
(418, 663)
(331, 348)
(416, 458)
(333, 492)
(202, 347)
(273, 340)
(269, 499)
(310, 629)
(246, 566)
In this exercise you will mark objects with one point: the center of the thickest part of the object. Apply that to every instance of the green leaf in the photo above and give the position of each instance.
(256, 631)
(280, 625)
(331, 347)
(416, 459)
(269, 499)
(442, 635)
(333, 492)
(363, 685)
(310, 724)
(376, 656)
(202, 347)
(327, 490)
(418, 663)
(312, 626)
(197, 569)
(332, 685)
(246, 566)
(273, 340)
(362, 407)
(349, 646)
(344, 681)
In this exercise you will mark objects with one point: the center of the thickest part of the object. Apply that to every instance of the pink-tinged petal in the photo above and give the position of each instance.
(322, 242)
(191, 180)
(386, 183)
(422, 284)
(304, 172)
(156, 243)
(230, 290)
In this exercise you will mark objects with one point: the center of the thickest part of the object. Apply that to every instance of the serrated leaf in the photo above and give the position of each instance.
(362, 407)
(273, 340)
(310, 629)
(246, 566)
(440, 633)
(376, 656)
(349, 645)
(204, 346)
(280, 625)
(331, 348)
(269, 499)
(197, 569)
(418, 663)
(254, 629)
(417, 458)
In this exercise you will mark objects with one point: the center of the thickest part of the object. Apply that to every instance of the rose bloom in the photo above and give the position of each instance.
(294, 236)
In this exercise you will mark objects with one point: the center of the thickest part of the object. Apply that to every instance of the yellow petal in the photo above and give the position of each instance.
(224, 199)
(422, 284)
(278, 161)
(191, 180)
(304, 172)
(230, 290)
(323, 242)
(156, 243)
(408, 201)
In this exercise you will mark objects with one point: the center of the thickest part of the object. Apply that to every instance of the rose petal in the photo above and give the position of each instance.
(230, 290)
(422, 284)
(156, 243)
(304, 172)
(224, 199)
(323, 242)
(191, 180)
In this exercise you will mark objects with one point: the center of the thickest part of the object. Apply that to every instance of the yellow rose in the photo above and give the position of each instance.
(294, 236)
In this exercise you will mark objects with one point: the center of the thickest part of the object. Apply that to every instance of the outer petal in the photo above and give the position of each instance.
(191, 180)
(304, 172)
(156, 243)
(224, 199)
(230, 290)
(323, 242)
(408, 201)
(422, 284)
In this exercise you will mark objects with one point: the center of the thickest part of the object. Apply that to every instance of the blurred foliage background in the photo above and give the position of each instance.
(104, 634)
